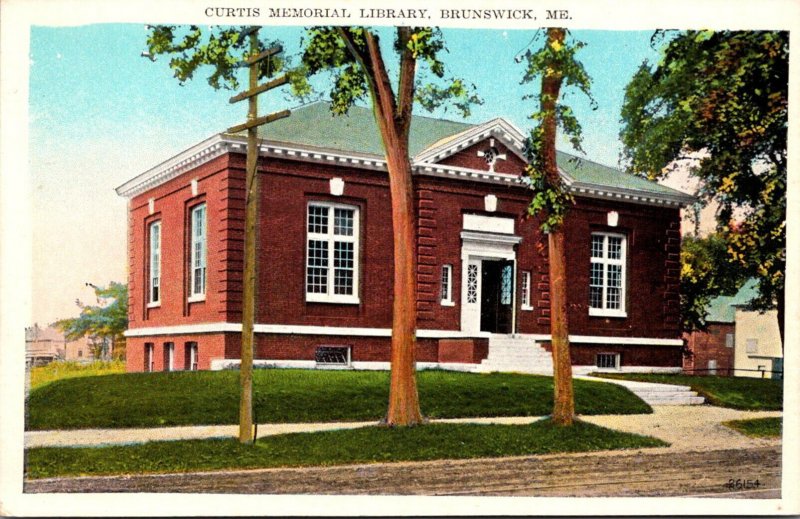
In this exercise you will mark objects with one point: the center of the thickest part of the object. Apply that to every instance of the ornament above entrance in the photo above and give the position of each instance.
(491, 155)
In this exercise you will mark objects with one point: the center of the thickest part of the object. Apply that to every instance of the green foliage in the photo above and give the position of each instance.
(757, 427)
(707, 271)
(551, 200)
(364, 445)
(752, 394)
(287, 396)
(719, 99)
(42, 375)
(105, 321)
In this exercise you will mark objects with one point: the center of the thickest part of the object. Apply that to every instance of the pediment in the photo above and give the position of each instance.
(495, 146)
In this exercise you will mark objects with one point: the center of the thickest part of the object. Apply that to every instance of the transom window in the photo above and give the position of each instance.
(155, 264)
(197, 286)
(607, 275)
(332, 253)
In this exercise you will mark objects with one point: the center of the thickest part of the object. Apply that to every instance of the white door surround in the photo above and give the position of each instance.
(476, 247)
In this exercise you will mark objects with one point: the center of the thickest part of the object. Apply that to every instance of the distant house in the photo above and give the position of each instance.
(325, 253)
(739, 341)
(44, 345)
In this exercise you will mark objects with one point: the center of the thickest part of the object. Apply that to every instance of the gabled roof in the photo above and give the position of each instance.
(313, 133)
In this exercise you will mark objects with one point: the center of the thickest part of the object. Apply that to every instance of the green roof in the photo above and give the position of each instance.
(314, 125)
(722, 309)
(588, 172)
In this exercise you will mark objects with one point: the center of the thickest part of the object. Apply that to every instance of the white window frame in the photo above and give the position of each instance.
(198, 253)
(194, 352)
(170, 364)
(331, 239)
(149, 351)
(154, 267)
(525, 290)
(605, 261)
(446, 286)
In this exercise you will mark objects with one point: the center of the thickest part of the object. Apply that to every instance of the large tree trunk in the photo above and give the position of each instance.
(564, 403)
(782, 317)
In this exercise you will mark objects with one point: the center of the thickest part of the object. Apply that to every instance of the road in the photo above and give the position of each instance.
(654, 472)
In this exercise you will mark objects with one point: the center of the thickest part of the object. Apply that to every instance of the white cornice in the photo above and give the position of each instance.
(220, 144)
(509, 134)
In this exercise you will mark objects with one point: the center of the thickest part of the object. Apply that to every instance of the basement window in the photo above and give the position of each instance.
(607, 360)
(333, 356)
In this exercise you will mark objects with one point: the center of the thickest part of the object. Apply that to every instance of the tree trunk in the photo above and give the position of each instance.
(781, 317)
(564, 402)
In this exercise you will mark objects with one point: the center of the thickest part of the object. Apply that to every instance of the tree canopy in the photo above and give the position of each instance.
(717, 104)
(106, 320)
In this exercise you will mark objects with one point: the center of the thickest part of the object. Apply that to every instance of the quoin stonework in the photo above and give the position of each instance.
(324, 283)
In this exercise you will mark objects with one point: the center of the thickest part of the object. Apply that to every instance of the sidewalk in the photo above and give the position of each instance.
(685, 427)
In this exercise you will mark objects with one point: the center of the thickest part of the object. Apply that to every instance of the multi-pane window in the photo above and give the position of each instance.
(607, 275)
(332, 253)
(472, 283)
(447, 284)
(525, 290)
(155, 263)
(197, 288)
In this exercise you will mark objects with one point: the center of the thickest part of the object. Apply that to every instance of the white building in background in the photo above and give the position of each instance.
(758, 339)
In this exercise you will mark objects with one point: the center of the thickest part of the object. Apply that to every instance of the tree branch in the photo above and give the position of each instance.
(405, 91)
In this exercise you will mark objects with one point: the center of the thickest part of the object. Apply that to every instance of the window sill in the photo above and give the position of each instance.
(341, 300)
(526, 308)
(448, 303)
(598, 312)
(155, 304)
(199, 298)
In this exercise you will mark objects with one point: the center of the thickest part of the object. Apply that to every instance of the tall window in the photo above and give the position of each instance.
(155, 263)
(197, 289)
(149, 357)
(607, 275)
(190, 356)
(332, 253)
(169, 356)
(525, 291)
(447, 285)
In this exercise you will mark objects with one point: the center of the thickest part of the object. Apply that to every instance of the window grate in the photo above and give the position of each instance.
(333, 355)
(607, 360)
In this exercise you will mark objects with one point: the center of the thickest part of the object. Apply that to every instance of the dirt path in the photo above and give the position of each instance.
(629, 473)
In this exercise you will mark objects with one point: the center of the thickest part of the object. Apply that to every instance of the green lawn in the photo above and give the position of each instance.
(280, 396)
(757, 427)
(365, 445)
(754, 394)
(42, 375)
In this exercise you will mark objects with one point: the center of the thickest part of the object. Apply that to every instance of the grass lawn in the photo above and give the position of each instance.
(42, 375)
(283, 395)
(757, 427)
(753, 394)
(365, 445)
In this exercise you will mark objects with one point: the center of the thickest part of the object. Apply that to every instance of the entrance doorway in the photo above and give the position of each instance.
(497, 296)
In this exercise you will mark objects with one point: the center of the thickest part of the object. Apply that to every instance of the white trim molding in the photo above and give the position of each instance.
(295, 329)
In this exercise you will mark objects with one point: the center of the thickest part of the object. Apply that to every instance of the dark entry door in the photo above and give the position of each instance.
(497, 296)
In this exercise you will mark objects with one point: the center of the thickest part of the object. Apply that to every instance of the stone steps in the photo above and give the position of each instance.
(657, 394)
(516, 353)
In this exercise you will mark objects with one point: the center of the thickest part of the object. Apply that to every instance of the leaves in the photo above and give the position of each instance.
(107, 319)
(721, 97)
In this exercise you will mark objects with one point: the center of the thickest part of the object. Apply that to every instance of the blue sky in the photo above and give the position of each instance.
(101, 114)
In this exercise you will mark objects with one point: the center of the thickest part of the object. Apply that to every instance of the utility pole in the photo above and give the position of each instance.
(251, 217)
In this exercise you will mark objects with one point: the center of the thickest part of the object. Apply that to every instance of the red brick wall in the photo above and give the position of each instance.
(468, 158)
(630, 355)
(209, 346)
(710, 345)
